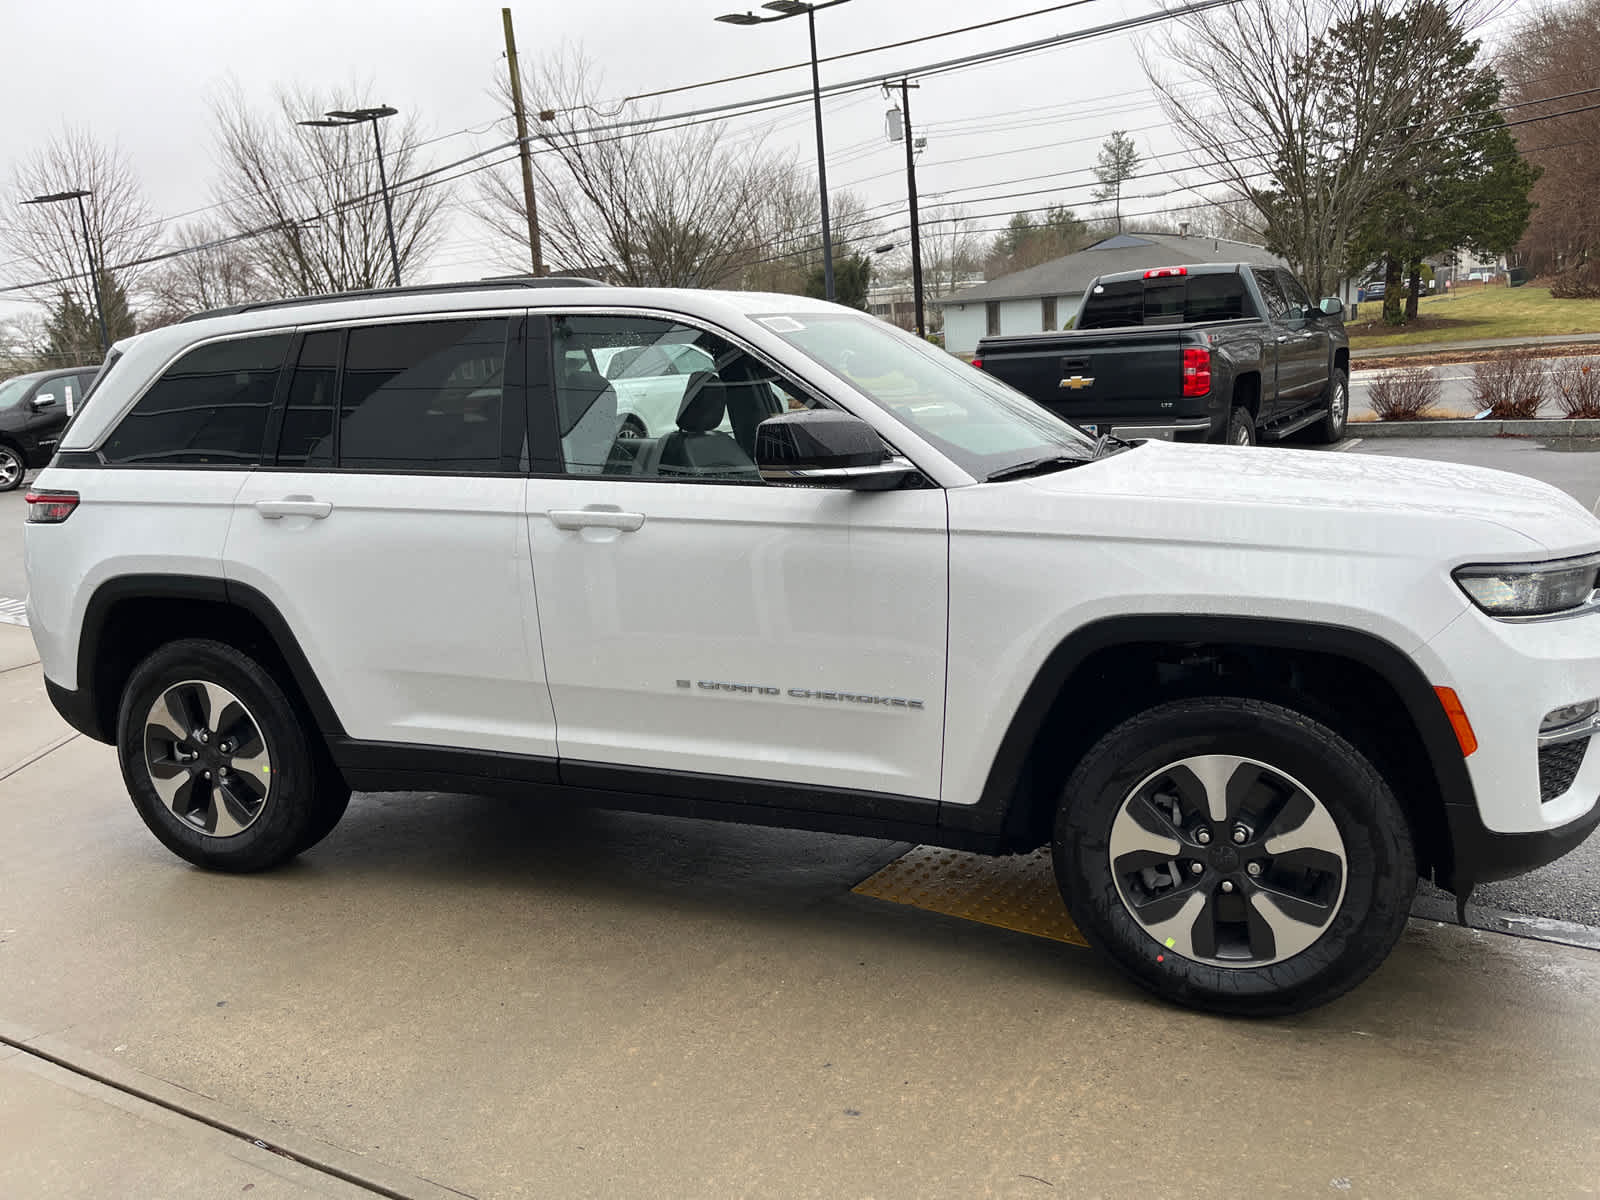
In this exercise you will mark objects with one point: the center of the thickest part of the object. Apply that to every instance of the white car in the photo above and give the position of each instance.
(403, 542)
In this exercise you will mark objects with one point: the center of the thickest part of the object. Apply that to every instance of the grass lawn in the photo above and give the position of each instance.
(1479, 313)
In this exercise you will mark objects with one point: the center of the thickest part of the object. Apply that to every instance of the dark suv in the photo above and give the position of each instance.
(34, 409)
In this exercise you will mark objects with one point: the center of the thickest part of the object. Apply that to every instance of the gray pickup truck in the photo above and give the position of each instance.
(1220, 352)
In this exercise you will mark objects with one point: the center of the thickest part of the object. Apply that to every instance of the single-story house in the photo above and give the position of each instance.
(1047, 296)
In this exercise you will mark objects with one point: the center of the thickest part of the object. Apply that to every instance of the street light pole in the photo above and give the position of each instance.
(339, 118)
(88, 251)
(793, 8)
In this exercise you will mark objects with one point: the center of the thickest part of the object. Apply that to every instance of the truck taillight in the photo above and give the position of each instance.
(1196, 371)
(1166, 272)
(50, 508)
(978, 362)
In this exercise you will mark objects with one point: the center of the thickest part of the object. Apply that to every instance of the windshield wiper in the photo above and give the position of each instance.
(1037, 466)
(1105, 442)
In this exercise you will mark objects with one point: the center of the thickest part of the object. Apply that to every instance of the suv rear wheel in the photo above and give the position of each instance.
(1235, 855)
(218, 761)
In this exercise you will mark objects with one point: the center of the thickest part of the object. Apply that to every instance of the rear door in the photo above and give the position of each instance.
(1311, 345)
(386, 526)
(1278, 390)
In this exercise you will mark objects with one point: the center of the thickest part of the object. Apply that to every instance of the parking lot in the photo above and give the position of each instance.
(458, 996)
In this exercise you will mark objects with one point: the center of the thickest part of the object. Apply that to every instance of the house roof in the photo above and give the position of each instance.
(1069, 276)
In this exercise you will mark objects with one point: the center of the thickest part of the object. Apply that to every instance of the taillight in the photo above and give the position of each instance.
(1166, 272)
(50, 508)
(1196, 371)
(978, 362)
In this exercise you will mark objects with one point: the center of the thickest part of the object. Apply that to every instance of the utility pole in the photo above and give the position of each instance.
(911, 190)
(900, 129)
(523, 150)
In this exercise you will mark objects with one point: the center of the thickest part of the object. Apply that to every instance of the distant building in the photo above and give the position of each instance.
(1047, 296)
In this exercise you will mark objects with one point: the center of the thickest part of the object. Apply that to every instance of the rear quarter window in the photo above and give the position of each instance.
(209, 407)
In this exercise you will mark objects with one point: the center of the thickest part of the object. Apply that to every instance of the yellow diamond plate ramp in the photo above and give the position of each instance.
(1012, 891)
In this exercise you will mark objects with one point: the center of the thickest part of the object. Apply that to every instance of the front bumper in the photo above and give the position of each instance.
(1483, 856)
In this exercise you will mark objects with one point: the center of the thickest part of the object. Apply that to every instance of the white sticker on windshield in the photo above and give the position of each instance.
(781, 324)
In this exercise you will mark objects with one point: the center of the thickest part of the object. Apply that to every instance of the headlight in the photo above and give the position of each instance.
(1538, 589)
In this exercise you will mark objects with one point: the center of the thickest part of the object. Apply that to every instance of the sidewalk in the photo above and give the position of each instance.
(1510, 343)
(68, 1136)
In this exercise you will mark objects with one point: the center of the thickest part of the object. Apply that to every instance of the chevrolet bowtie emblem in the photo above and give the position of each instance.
(1077, 383)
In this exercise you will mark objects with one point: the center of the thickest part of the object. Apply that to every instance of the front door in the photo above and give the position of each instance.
(695, 619)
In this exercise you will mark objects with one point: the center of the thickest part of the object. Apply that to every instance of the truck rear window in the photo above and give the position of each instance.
(1165, 301)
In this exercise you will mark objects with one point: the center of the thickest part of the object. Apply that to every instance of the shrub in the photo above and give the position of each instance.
(1576, 384)
(1404, 394)
(1580, 283)
(1511, 387)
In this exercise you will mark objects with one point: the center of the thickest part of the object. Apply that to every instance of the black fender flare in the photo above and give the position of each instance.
(212, 590)
(994, 811)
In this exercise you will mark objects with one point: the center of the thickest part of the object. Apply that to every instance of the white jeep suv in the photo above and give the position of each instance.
(402, 540)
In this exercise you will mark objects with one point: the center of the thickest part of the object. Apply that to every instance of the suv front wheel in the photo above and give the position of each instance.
(218, 762)
(1235, 855)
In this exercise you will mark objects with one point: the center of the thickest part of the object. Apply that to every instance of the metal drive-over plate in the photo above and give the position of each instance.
(1015, 891)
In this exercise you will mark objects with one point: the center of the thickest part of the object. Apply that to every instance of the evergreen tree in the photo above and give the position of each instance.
(72, 331)
(1118, 162)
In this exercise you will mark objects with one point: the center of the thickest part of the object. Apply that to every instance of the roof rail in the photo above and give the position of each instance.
(420, 289)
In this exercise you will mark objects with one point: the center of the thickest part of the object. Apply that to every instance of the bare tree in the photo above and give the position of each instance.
(1553, 50)
(784, 249)
(952, 249)
(1304, 110)
(217, 269)
(645, 205)
(311, 198)
(48, 238)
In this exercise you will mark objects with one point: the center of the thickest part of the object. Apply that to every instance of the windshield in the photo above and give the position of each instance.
(977, 421)
(13, 390)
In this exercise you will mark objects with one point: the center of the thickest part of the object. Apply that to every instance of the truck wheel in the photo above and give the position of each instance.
(1331, 428)
(1235, 856)
(1241, 427)
(218, 762)
(12, 468)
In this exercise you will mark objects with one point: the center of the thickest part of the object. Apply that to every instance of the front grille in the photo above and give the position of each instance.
(1558, 767)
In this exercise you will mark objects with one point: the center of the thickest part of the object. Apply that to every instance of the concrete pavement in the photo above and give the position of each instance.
(509, 1001)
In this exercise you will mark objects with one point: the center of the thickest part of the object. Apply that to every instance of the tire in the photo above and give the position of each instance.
(1241, 427)
(1332, 426)
(632, 429)
(203, 794)
(13, 466)
(1118, 850)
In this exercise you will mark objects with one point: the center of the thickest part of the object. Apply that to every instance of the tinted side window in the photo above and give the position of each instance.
(307, 436)
(210, 407)
(1272, 293)
(423, 396)
(1295, 293)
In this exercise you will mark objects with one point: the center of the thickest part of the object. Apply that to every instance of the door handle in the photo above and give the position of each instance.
(597, 518)
(294, 506)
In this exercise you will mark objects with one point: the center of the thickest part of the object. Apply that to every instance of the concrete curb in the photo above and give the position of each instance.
(377, 1177)
(1512, 343)
(1543, 428)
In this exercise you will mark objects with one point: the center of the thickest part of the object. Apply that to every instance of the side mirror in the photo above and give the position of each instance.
(1332, 307)
(43, 400)
(823, 448)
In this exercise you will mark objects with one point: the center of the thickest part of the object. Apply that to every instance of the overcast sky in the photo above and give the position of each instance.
(143, 73)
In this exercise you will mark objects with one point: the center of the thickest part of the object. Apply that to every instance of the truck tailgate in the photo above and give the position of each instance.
(1107, 376)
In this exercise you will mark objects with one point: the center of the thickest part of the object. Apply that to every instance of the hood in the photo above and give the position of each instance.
(1333, 490)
